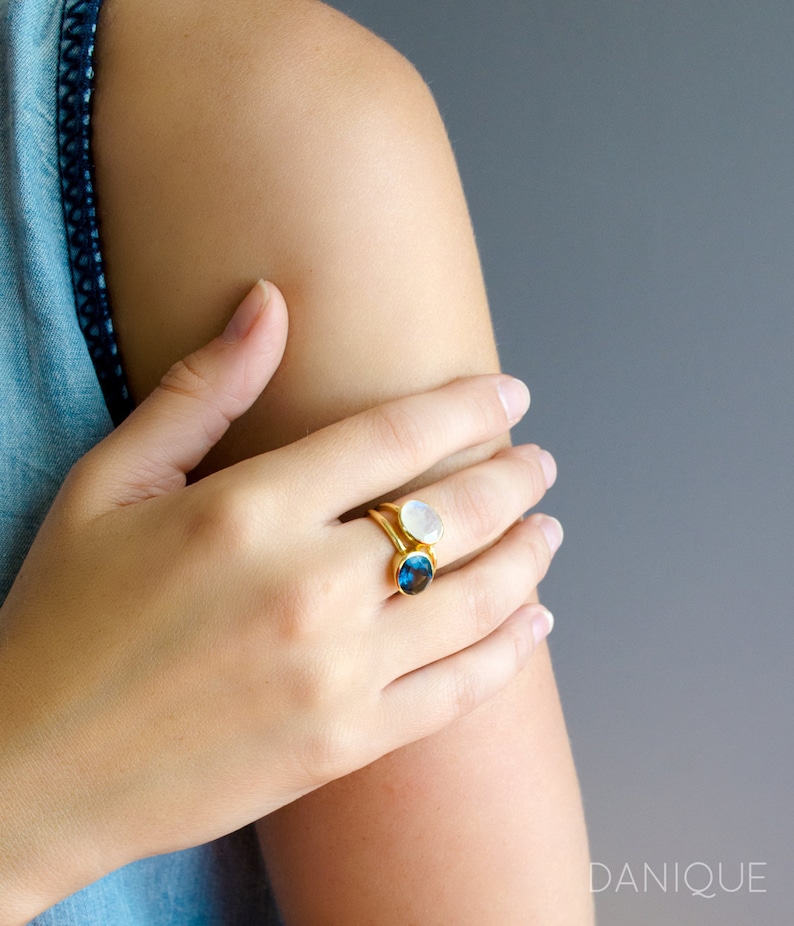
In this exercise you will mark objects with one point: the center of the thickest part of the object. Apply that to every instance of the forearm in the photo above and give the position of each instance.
(49, 832)
(26, 871)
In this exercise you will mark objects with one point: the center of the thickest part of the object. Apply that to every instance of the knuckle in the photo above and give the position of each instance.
(228, 521)
(538, 553)
(486, 410)
(309, 598)
(465, 691)
(527, 479)
(482, 603)
(522, 645)
(474, 506)
(186, 378)
(329, 751)
(335, 741)
(535, 477)
(479, 412)
(398, 436)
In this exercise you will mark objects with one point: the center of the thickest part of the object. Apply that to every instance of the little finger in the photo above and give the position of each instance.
(426, 700)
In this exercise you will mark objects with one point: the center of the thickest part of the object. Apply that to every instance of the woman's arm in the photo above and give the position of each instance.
(214, 124)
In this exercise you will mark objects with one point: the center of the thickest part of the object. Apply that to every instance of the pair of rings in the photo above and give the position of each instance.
(414, 528)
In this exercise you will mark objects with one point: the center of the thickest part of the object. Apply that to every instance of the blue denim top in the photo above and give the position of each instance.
(63, 388)
(52, 407)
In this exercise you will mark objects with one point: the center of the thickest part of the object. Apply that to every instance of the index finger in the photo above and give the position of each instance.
(362, 457)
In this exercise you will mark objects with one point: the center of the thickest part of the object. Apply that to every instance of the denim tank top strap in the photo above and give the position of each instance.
(62, 389)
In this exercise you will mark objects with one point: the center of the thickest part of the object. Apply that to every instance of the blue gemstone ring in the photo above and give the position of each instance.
(416, 528)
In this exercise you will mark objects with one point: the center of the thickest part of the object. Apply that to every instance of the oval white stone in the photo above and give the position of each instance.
(421, 522)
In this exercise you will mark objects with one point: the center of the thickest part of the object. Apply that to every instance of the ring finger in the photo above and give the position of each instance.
(476, 505)
(470, 603)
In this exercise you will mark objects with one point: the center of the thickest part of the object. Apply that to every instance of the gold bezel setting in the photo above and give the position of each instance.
(415, 563)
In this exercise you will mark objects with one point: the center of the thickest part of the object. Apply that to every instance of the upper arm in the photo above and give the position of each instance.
(299, 148)
(279, 139)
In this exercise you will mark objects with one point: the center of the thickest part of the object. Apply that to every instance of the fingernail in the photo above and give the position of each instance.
(549, 468)
(542, 623)
(247, 314)
(552, 530)
(515, 398)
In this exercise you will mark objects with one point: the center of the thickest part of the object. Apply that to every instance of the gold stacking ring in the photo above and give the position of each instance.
(414, 533)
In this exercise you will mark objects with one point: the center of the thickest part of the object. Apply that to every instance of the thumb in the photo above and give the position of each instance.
(173, 429)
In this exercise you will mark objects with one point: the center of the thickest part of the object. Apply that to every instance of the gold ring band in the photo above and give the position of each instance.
(384, 523)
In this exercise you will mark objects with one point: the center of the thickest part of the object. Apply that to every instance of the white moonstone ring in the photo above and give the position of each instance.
(417, 528)
(420, 522)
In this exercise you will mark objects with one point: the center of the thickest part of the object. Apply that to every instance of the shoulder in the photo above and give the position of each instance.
(273, 138)
(247, 83)
(241, 57)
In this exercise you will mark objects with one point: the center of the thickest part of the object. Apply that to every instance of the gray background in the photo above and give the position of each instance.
(630, 170)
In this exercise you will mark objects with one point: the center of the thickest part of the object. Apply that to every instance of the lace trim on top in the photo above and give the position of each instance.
(75, 88)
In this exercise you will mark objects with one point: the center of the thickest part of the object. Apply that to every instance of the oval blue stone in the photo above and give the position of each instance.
(415, 574)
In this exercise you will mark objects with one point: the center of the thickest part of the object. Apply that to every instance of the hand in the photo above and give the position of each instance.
(177, 661)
